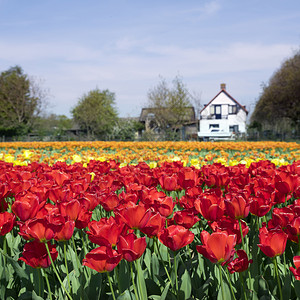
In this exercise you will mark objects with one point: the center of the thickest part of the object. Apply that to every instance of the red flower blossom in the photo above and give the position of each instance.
(26, 207)
(186, 218)
(131, 247)
(231, 226)
(272, 241)
(105, 232)
(296, 271)
(102, 259)
(7, 222)
(37, 229)
(218, 247)
(237, 206)
(154, 224)
(35, 254)
(241, 263)
(176, 237)
(210, 205)
(133, 214)
(168, 183)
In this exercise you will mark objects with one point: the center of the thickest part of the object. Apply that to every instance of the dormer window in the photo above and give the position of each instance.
(232, 109)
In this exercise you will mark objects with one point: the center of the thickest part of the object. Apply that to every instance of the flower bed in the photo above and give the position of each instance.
(108, 230)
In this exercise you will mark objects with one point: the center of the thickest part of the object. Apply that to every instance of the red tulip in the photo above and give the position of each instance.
(37, 229)
(296, 271)
(210, 205)
(35, 254)
(237, 206)
(272, 241)
(186, 218)
(7, 222)
(131, 247)
(241, 263)
(175, 237)
(102, 259)
(133, 214)
(218, 247)
(231, 226)
(105, 232)
(26, 207)
(153, 225)
(168, 183)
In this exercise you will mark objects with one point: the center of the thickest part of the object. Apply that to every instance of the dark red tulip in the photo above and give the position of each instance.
(218, 247)
(296, 271)
(153, 225)
(131, 247)
(175, 237)
(102, 259)
(35, 254)
(186, 218)
(241, 263)
(7, 222)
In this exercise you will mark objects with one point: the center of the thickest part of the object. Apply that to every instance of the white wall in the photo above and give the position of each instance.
(233, 119)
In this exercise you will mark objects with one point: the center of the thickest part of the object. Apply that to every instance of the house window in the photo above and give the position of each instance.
(214, 126)
(212, 109)
(234, 128)
(232, 109)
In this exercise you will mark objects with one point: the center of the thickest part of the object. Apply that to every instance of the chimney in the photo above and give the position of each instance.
(223, 86)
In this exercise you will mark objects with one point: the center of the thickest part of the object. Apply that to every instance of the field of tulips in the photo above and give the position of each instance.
(110, 220)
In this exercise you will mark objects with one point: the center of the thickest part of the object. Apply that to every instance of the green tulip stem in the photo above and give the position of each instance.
(48, 284)
(242, 236)
(164, 265)
(111, 287)
(243, 285)
(40, 281)
(176, 278)
(133, 283)
(75, 250)
(56, 273)
(66, 265)
(230, 285)
(277, 275)
(221, 281)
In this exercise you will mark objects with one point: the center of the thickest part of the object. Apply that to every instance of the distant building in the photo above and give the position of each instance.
(222, 118)
(186, 127)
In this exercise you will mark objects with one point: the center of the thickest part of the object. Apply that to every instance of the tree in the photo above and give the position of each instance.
(169, 105)
(95, 112)
(280, 98)
(21, 101)
(53, 125)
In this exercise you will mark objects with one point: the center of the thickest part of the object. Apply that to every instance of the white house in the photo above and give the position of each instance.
(222, 118)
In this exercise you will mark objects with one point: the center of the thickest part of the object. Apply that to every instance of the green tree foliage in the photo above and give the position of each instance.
(280, 98)
(170, 107)
(20, 102)
(95, 112)
(53, 125)
(126, 130)
(169, 104)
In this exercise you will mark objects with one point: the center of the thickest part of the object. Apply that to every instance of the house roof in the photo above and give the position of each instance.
(229, 96)
(190, 115)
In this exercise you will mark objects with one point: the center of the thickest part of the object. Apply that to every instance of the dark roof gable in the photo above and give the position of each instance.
(229, 96)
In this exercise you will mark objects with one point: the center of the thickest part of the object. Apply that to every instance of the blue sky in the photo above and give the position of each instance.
(73, 46)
